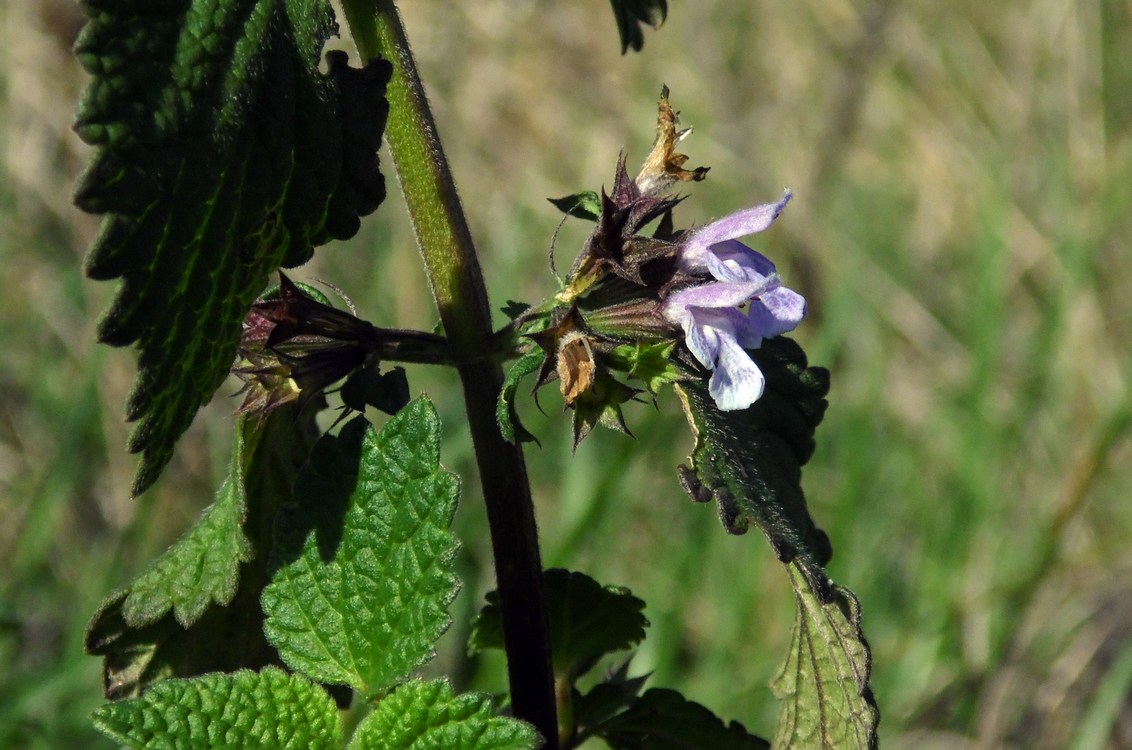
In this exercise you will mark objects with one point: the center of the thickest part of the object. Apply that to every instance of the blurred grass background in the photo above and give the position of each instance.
(963, 183)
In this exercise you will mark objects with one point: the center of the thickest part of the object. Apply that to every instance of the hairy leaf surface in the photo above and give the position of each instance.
(750, 461)
(181, 617)
(221, 153)
(203, 566)
(823, 683)
(268, 709)
(426, 716)
(364, 558)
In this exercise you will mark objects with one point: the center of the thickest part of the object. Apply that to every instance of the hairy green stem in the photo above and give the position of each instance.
(457, 285)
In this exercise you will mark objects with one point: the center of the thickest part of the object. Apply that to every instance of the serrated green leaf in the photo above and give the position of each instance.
(505, 412)
(427, 716)
(268, 709)
(587, 621)
(824, 680)
(631, 15)
(202, 568)
(584, 205)
(138, 655)
(615, 693)
(664, 719)
(750, 461)
(222, 153)
(363, 559)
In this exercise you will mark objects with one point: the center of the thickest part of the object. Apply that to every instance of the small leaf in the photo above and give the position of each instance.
(585, 205)
(221, 153)
(514, 309)
(427, 716)
(505, 412)
(587, 621)
(364, 557)
(606, 699)
(203, 567)
(664, 719)
(632, 14)
(388, 392)
(824, 680)
(750, 461)
(269, 709)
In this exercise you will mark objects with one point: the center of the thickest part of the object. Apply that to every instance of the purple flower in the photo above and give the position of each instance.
(716, 330)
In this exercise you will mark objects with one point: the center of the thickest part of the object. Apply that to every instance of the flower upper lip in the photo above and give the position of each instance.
(712, 248)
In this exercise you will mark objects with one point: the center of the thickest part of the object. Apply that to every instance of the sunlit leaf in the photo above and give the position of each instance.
(269, 709)
(201, 568)
(178, 618)
(427, 716)
(364, 558)
(823, 683)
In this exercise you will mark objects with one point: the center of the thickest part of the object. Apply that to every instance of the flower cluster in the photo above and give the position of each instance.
(663, 307)
(716, 330)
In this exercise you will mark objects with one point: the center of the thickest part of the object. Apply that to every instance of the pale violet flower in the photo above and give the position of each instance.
(715, 329)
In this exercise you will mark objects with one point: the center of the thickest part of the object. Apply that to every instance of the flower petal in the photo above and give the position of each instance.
(731, 260)
(748, 334)
(702, 339)
(694, 254)
(777, 311)
(737, 381)
(718, 294)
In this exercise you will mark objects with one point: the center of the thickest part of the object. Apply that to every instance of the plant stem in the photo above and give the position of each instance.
(457, 285)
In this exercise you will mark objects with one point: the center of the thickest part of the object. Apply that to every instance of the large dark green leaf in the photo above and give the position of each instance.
(750, 461)
(221, 153)
(587, 621)
(428, 716)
